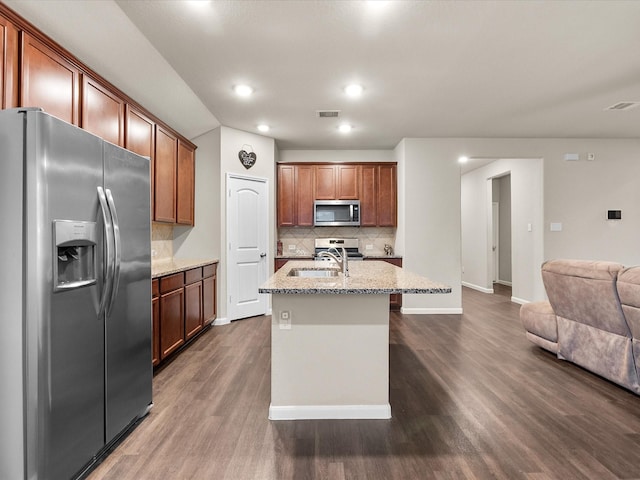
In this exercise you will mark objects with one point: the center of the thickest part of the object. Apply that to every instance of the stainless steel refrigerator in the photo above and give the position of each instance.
(75, 289)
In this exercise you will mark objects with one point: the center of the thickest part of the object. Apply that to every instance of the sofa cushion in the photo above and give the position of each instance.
(585, 292)
(538, 318)
(629, 293)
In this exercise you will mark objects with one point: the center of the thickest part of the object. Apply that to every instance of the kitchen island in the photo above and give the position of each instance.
(330, 338)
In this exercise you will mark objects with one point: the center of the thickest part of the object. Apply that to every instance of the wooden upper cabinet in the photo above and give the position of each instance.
(102, 112)
(348, 181)
(326, 188)
(337, 182)
(369, 196)
(185, 184)
(305, 180)
(295, 195)
(286, 195)
(387, 196)
(140, 138)
(8, 64)
(165, 176)
(49, 81)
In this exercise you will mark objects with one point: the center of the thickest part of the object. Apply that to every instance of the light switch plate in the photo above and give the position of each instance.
(556, 227)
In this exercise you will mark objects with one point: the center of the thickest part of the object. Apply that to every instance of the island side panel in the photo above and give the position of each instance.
(334, 361)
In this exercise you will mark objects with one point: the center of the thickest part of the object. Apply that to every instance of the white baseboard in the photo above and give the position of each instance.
(477, 287)
(505, 283)
(431, 311)
(521, 301)
(221, 321)
(330, 412)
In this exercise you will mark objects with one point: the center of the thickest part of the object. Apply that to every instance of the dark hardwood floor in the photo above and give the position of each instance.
(471, 398)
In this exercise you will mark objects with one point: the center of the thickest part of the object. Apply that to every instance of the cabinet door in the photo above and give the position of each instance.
(348, 178)
(155, 337)
(192, 309)
(155, 326)
(102, 112)
(8, 64)
(165, 176)
(140, 138)
(185, 184)
(286, 195)
(304, 185)
(171, 322)
(209, 299)
(49, 81)
(326, 182)
(369, 196)
(387, 196)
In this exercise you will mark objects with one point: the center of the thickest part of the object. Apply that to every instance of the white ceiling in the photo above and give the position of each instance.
(429, 68)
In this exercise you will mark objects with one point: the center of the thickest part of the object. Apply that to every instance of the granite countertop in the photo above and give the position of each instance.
(160, 268)
(366, 278)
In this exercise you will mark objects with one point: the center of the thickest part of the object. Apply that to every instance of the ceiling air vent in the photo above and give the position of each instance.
(623, 106)
(328, 113)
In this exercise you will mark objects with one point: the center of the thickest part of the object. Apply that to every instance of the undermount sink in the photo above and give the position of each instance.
(313, 272)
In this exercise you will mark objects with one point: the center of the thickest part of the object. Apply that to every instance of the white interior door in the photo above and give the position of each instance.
(247, 241)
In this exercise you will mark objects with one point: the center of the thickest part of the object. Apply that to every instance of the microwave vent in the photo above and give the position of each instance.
(328, 113)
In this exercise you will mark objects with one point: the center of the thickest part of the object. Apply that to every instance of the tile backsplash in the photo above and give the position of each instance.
(161, 241)
(300, 241)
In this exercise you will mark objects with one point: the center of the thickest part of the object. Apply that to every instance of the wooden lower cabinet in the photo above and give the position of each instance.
(171, 322)
(155, 326)
(209, 285)
(183, 304)
(395, 299)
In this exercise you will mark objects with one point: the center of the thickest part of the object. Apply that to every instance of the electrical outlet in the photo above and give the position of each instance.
(368, 247)
(285, 320)
(292, 247)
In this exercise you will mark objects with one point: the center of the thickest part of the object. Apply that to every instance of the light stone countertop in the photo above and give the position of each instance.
(366, 278)
(160, 268)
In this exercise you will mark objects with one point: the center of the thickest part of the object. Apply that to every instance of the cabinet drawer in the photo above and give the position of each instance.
(155, 288)
(171, 282)
(209, 270)
(193, 275)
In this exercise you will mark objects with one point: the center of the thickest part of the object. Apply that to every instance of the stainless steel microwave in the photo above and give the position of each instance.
(336, 213)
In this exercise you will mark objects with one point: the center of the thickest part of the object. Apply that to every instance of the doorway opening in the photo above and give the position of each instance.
(501, 231)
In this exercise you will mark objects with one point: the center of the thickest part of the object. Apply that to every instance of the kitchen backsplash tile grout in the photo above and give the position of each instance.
(302, 239)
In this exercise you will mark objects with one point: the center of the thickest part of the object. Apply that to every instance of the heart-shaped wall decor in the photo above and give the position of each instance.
(247, 159)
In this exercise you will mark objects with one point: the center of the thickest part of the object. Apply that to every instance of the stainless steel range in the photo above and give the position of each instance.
(349, 244)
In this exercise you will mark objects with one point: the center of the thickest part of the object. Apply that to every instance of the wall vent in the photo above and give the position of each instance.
(328, 113)
(623, 106)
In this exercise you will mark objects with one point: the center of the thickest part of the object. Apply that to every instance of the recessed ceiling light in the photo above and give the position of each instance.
(243, 90)
(354, 90)
(345, 128)
(463, 159)
(263, 128)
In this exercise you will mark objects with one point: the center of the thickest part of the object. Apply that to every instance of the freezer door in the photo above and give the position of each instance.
(129, 371)
(64, 337)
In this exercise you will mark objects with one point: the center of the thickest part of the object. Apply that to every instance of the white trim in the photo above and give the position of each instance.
(520, 301)
(504, 282)
(330, 412)
(431, 311)
(221, 321)
(477, 287)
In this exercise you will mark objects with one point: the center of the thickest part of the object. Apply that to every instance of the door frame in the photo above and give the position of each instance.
(495, 241)
(226, 245)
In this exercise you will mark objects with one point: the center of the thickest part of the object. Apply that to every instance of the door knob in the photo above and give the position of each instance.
(262, 255)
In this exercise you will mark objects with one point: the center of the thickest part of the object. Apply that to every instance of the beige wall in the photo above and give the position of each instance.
(336, 156)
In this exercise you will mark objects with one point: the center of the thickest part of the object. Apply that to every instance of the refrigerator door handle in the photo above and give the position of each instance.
(108, 238)
(117, 250)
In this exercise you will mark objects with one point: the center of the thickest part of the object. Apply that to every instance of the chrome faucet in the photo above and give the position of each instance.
(339, 258)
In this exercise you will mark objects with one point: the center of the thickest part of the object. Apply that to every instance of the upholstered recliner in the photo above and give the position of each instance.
(584, 320)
